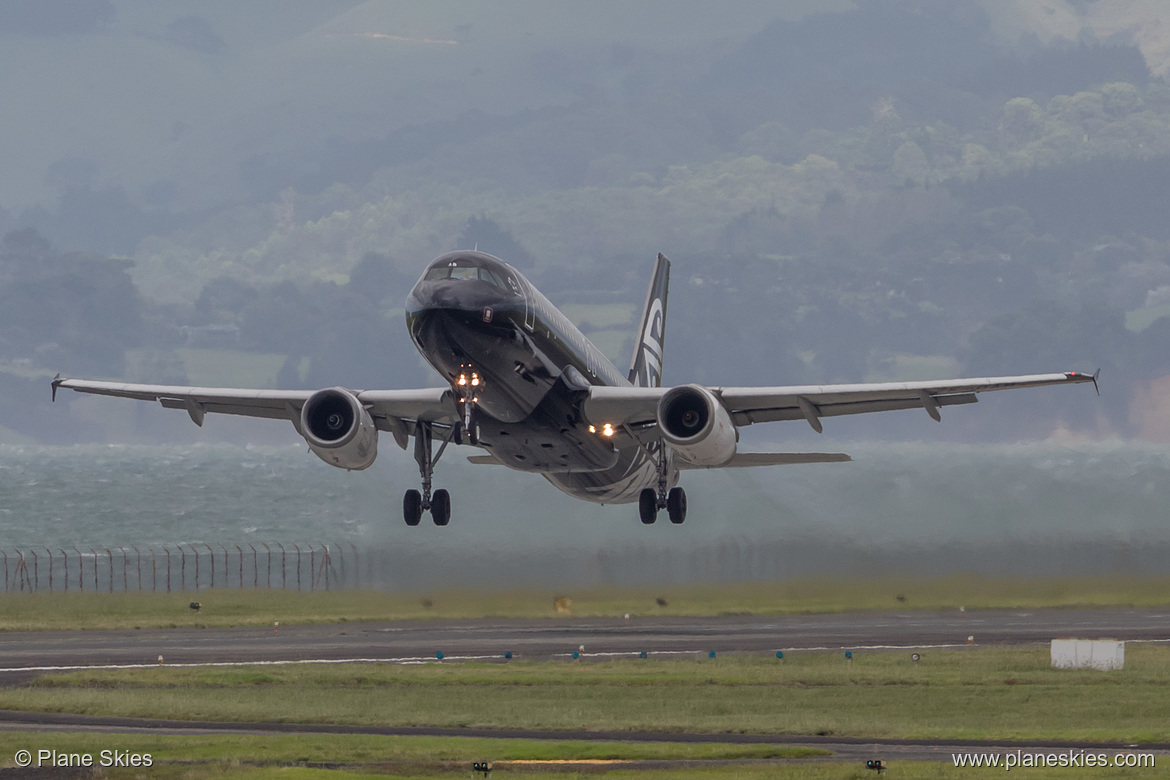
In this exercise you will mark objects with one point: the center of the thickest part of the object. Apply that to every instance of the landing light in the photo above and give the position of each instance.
(475, 380)
(607, 430)
(592, 429)
(462, 380)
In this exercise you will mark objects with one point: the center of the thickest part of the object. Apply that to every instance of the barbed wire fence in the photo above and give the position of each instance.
(167, 568)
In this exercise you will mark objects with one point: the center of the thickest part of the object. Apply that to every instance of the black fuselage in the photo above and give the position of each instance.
(476, 319)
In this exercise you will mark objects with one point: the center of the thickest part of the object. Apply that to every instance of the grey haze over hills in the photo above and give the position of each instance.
(242, 194)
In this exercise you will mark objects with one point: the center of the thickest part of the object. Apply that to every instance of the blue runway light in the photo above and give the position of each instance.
(576, 655)
(711, 654)
(439, 655)
(780, 654)
(849, 654)
(642, 654)
(508, 655)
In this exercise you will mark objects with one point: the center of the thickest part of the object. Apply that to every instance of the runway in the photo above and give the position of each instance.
(25, 655)
(22, 653)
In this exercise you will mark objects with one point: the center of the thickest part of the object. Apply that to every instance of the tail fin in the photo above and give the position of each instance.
(646, 367)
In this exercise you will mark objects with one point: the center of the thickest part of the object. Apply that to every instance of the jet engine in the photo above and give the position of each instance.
(695, 424)
(339, 430)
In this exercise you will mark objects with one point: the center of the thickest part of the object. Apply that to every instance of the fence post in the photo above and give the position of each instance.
(211, 555)
(297, 546)
(110, 559)
(341, 559)
(5, 570)
(138, 554)
(36, 571)
(255, 568)
(283, 568)
(183, 570)
(80, 571)
(357, 566)
(312, 567)
(65, 558)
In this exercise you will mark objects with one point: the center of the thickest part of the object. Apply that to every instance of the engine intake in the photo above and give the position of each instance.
(695, 423)
(339, 430)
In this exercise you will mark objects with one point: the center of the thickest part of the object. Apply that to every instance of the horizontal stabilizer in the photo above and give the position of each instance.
(745, 459)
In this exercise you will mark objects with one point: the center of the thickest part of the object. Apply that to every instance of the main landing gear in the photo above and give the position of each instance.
(415, 503)
(651, 500)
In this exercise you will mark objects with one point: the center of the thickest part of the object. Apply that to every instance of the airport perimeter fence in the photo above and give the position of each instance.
(301, 566)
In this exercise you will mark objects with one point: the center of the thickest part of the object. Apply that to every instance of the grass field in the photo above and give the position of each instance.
(225, 607)
(986, 693)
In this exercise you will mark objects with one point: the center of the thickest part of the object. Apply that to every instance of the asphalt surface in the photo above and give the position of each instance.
(26, 654)
(557, 637)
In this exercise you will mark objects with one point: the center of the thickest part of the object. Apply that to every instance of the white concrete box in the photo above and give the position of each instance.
(1103, 654)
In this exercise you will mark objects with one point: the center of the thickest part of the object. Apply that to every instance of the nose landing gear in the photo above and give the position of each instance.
(467, 386)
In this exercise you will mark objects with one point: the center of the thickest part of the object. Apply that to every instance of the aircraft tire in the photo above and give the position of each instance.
(412, 507)
(648, 506)
(441, 507)
(676, 505)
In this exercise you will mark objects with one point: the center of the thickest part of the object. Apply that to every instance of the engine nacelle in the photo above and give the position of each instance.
(339, 430)
(697, 426)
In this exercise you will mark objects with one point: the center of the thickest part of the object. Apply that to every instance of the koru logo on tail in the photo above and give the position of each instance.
(652, 345)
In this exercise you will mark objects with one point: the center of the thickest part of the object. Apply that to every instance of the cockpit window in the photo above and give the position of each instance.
(465, 272)
(492, 277)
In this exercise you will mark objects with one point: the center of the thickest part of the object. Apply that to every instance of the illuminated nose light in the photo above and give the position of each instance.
(462, 380)
(475, 380)
(592, 429)
(607, 430)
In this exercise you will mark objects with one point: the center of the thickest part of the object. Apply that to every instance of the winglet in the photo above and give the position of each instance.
(1077, 376)
(57, 380)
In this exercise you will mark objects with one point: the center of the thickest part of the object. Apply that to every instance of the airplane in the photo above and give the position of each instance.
(527, 389)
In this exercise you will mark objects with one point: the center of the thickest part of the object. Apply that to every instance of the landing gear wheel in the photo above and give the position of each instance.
(441, 507)
(412, 507)
(676, 505)
(648, 506)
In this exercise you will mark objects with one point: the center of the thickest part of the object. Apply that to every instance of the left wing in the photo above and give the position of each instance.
(636, 407)
(393, 411)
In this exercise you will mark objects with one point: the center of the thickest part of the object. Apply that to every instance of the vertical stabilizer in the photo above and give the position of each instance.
(646, 368)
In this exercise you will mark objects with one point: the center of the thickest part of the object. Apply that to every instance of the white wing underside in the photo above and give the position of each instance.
(394, 411)
(635, 407)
